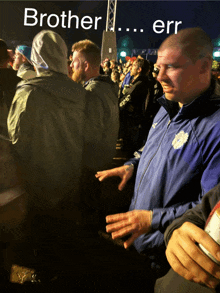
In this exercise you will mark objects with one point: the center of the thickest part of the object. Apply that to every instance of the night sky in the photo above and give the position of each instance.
(132, 15)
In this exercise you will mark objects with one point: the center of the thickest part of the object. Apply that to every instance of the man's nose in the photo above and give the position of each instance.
(162, 75)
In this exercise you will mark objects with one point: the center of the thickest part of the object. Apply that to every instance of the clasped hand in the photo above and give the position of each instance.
(135, 222)
(188, 260)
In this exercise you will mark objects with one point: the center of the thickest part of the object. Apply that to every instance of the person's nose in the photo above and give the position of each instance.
(162, 75)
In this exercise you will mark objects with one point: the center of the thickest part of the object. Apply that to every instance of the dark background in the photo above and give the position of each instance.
(129, 14)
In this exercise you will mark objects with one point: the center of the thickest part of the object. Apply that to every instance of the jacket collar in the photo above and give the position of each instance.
(141, 77)
(204, 104)
(101, 77)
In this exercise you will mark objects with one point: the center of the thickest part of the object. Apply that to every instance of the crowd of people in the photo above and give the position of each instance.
(138, 91)
(60, 121)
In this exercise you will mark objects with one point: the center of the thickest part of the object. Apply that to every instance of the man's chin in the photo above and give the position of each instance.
(171, 97)
(78, 78)
(74, 78)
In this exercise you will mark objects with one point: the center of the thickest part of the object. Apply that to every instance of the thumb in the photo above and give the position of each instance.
(128, 242)
(122, 184)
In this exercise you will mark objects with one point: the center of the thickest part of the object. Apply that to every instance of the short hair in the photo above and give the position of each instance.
(194, 43)
(90, 50)
(115, 72)
(113, 61)
(3, 52)
(144, 64)
(107, 63)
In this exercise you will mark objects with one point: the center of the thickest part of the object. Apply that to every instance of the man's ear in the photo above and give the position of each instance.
(24, 59)
(139, 70)
(86, 65)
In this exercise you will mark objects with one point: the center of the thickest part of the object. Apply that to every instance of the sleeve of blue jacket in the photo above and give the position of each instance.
(135, 160)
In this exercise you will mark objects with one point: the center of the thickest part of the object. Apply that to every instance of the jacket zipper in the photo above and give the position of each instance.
(168, 124)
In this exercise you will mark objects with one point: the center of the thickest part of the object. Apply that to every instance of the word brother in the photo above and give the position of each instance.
(53, 20)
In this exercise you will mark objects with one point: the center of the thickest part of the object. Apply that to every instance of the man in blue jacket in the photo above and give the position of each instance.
(180, 161)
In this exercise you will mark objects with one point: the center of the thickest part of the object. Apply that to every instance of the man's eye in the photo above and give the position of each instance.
(172, 66)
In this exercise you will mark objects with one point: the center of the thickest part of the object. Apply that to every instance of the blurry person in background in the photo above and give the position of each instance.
(113, 64)
(115, 76)
(132, 106)
(22, 63)
(8, 83)
(107, 68)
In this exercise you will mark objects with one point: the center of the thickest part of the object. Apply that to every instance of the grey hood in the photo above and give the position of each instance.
(49, 52)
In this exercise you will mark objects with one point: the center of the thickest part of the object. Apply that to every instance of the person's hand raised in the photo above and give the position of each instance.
(124, 172)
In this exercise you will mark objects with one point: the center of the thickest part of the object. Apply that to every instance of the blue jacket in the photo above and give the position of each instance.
(180, 162)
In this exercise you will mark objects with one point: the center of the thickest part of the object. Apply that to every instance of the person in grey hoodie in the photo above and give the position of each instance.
(57, 132)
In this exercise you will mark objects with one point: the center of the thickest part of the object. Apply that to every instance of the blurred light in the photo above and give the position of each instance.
(123, 54)
(216, 54)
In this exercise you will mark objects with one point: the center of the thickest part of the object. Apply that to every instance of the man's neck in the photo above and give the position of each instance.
(91, 76)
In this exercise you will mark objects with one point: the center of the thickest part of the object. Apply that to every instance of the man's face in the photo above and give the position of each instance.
(18, 60)
(178, 75)
(135, 69)
(78, 67)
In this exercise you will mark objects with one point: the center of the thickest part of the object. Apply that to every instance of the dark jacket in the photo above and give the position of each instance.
(133, 99)
(8, 82)
(103, 104)
(26, 71)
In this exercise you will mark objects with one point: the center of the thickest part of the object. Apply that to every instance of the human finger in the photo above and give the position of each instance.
(101, 175)
(130, 240)
(116, 217)
(117, 225)
(122, 184)
(201, 237)
(182, 246)
(124, 231)
(177, 265)
(125, 177)
(188, 268)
